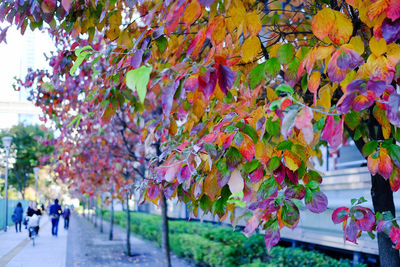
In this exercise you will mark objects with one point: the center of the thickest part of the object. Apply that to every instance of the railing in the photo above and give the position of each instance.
(11, 206)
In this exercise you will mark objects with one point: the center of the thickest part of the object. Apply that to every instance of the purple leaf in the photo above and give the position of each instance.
(378, 87)
(207, 83)
(223, 179)
(167, 98)
(226, 78)
(317, 203)
(271, 237)
(346, 103)
(365, 219)
(351, 231)
(356, 86)
(197, 129)
(136, 60)
(183, 174)
(153, 192)
(297, 192)
(390, 30)
(252, 224)
(279, 174)
(290, 215)
(206, 2)
(393, 109)
(257, 174)
(293, 176)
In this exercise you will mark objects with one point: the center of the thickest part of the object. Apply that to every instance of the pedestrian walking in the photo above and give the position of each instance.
(17, 216)
(66, 215)
(55, 212)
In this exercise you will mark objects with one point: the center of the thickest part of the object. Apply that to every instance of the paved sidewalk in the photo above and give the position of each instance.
(93, 248)
(16, 249)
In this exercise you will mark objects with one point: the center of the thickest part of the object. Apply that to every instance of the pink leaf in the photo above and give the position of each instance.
(351, 231)
(365, 219)
(252, 224)
(66, 4)
(153, 191)
(303, 120)
(279, 174)
(340, 214)
(257, 174)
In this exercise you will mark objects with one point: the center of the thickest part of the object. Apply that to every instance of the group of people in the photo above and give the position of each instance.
(33, 214)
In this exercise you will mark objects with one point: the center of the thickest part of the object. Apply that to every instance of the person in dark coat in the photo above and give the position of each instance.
(17, 216)
(66, 215)
(55, 212)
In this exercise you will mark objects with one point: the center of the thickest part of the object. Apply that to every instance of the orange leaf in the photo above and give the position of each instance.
(385, 165)
(192, 12)
(219, 31)
(210, 186)
(323, 23)
(373, 165)
(314, 81)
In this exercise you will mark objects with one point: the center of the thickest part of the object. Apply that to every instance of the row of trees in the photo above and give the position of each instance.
(210, 101)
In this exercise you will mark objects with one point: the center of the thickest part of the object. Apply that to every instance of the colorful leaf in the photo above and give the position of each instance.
(271, 237)
(317, 203)
(385, 166)
(340, 214)
(250, 48)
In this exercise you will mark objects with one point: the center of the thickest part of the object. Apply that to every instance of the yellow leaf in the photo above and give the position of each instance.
(393, 53)
(323, 23)
(198, 108)
(342, 29)
(219, 32)
(210, 186)
(192, 12)
(349, 78)
(323, 52)
(377, 47)
(271, 95)
(250, 49)
(273, 51)
(324, 100)
(236, 182)
(253, 23)
(358, 44)
(291, 161)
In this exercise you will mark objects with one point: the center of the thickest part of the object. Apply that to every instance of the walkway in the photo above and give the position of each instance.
(82, 245)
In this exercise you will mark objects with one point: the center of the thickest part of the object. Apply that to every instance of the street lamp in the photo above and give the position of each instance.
(36, 171)
(6, 144)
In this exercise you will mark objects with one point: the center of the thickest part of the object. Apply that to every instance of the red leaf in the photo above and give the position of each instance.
(257, 174)
(279, 174)
(293, 176)
(247, 148)
(340, 214)
(395, 180)
(373, 164)
(196, 44)
(317, 203)
(393, 10)
(207, 83)
(395, 236)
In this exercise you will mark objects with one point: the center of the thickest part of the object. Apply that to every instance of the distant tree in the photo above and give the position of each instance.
(28, 146)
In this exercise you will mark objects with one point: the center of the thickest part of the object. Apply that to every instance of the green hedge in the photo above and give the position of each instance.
(206, 244)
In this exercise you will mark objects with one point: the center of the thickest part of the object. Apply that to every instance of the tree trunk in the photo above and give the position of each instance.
(382, 199)
(101, 218)
(110, 237)
(164, 232)
(96, 213)
(128, 227)
(84, 208)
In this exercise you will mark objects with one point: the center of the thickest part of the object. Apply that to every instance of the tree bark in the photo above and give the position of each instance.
(128, 227)
(101, 218)
(110, 237)
(382, 199)
(96, 213)
(164, 232)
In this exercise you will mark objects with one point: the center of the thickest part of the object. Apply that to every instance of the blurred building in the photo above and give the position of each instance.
(19, 54)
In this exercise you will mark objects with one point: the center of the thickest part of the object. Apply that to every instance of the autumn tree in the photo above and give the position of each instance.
(249, 91)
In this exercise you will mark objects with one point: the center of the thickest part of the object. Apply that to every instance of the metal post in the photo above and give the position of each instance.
(6, 143)
(36, 171)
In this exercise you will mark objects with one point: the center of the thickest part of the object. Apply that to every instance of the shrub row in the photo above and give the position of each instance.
(206, 244)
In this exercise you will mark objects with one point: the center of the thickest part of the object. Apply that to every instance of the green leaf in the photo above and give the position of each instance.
(162, 43)
(81, 57)
(284, 88)
(256, 75)
(352, 119)
(369, 147)
(285, 145)
(285, 53)
(230, 129)
(313, 185)
(249, 130)
(272, 67)
(251, 166)
(273, 127)
(304, 83)
(210, 148)
(394, 153)
(205, 203)
(319, 125)
(80, 50)
(273, 163)
(138, 79)
(276, 104)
